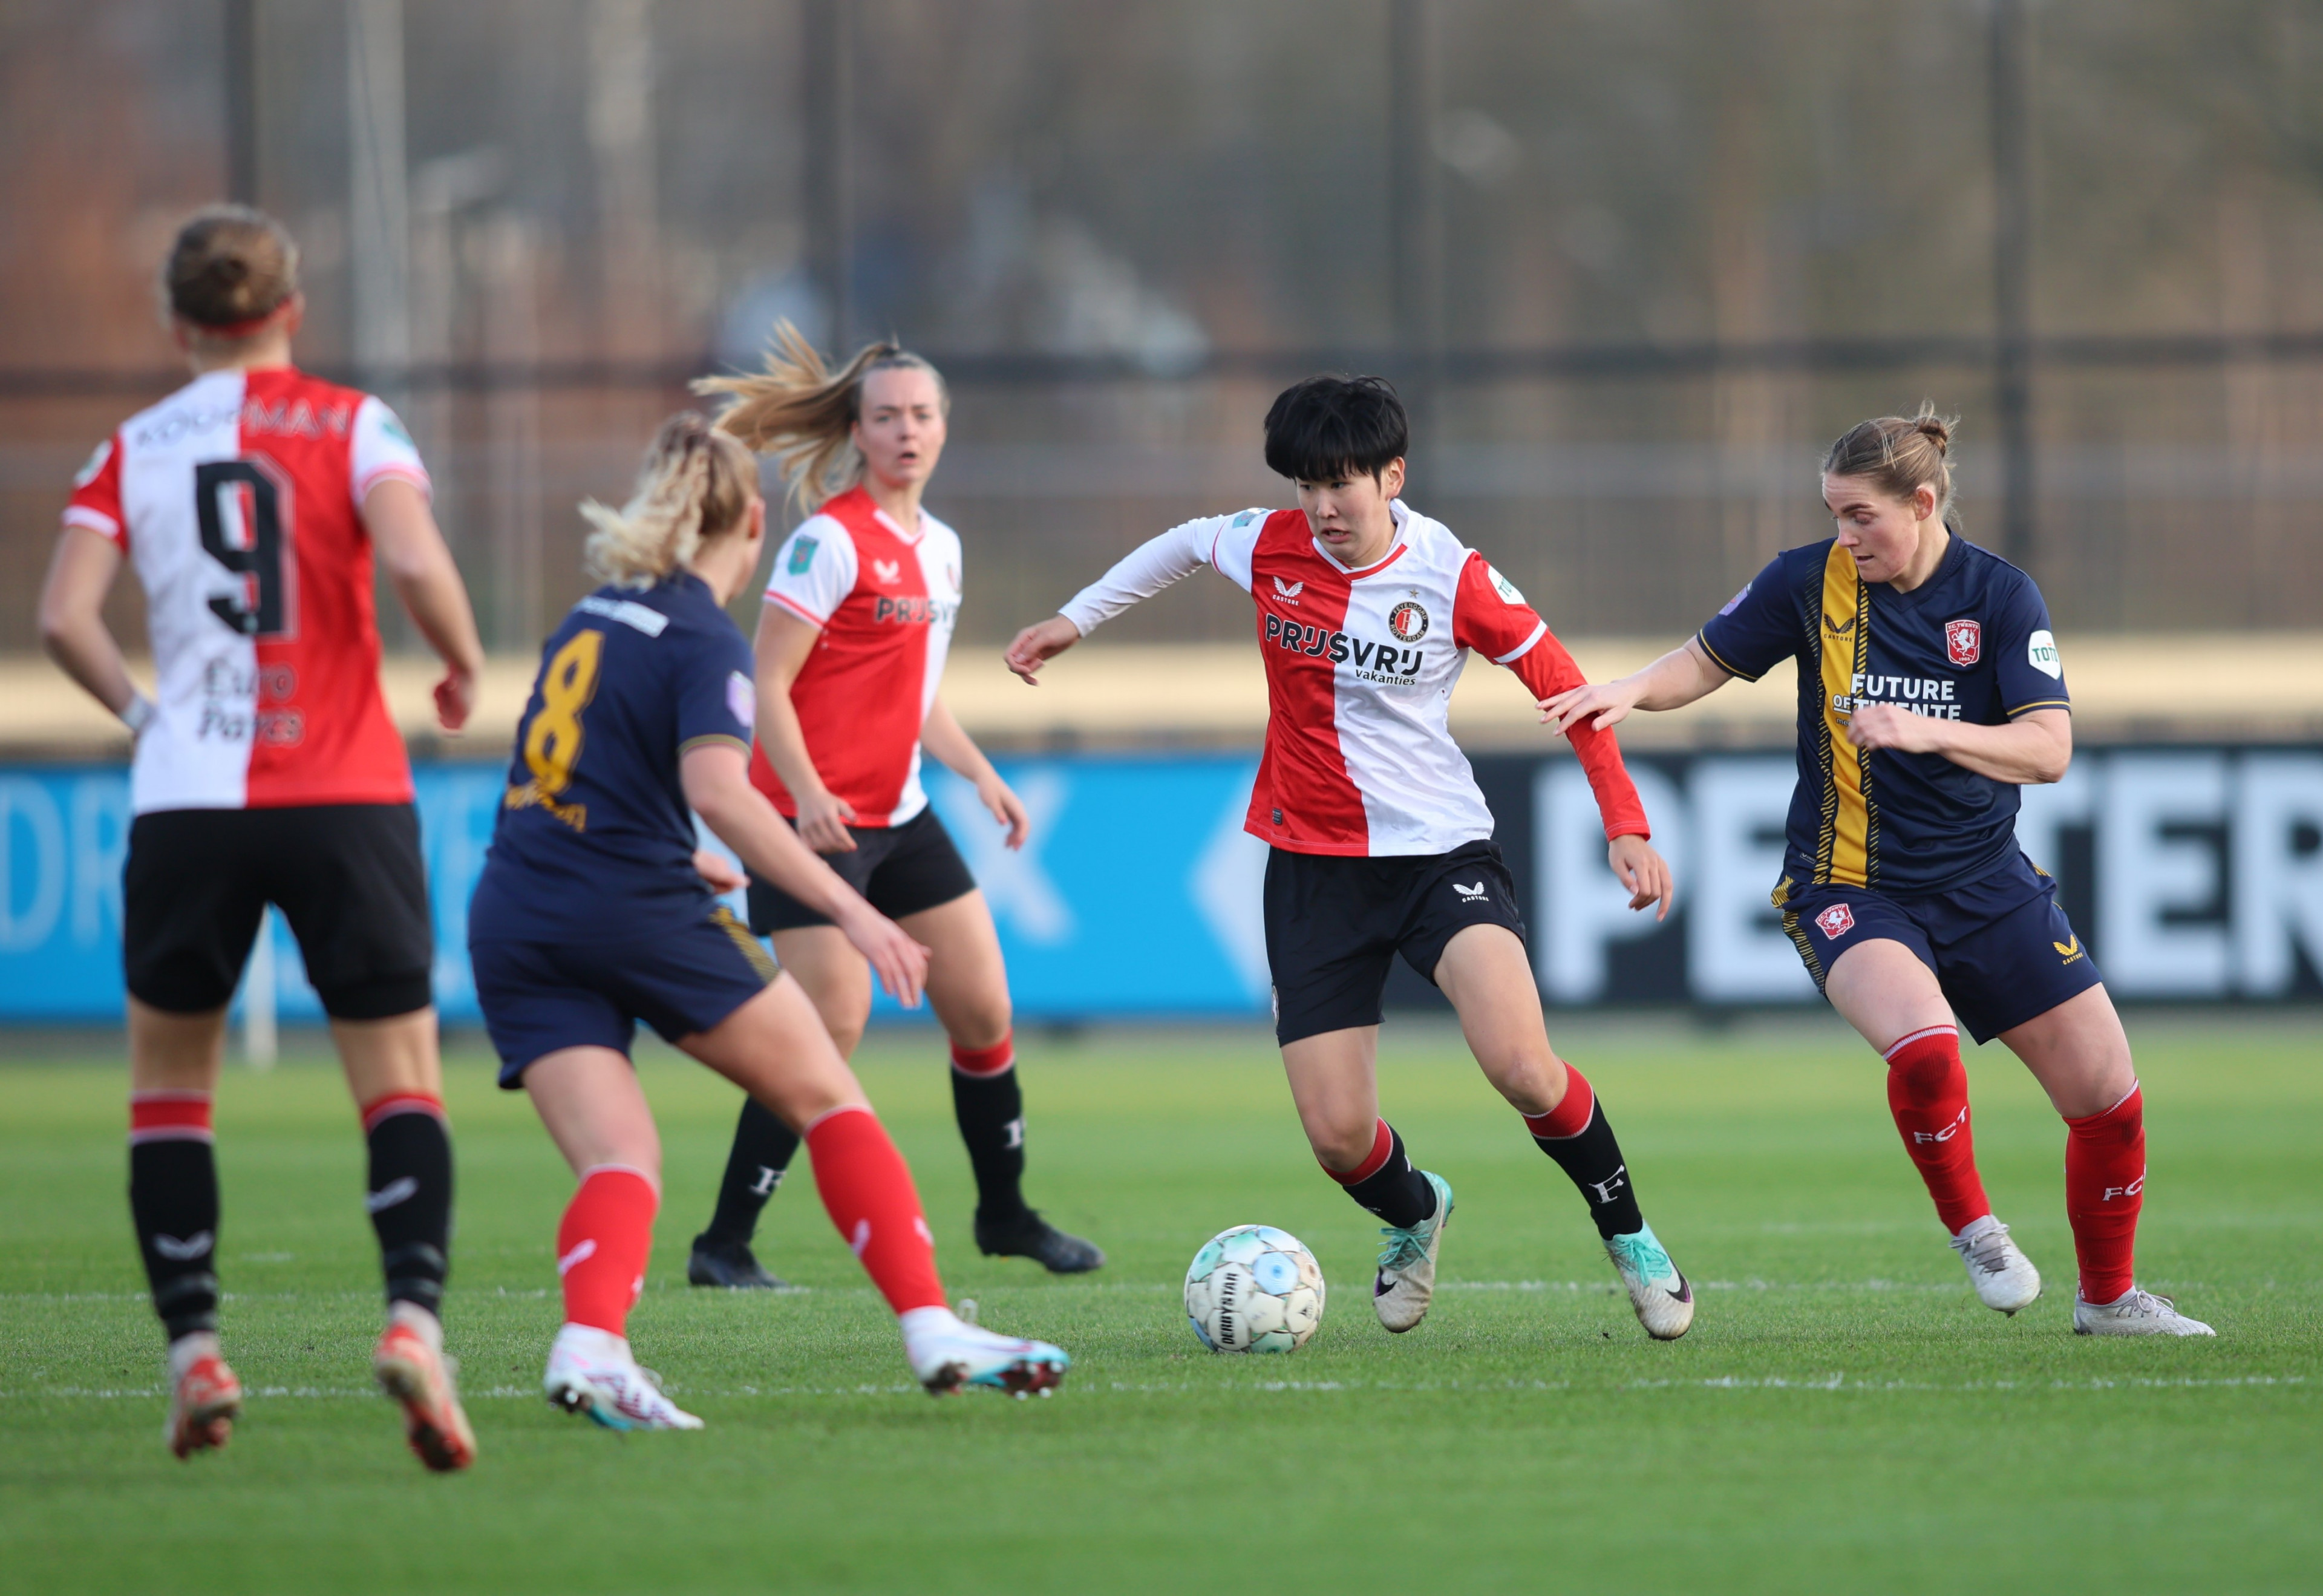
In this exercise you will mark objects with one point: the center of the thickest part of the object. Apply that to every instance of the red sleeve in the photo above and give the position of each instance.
(95, 501)
(1490, 616)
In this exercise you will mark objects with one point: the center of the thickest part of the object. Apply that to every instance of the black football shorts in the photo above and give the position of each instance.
(899, 869)
(1333, 925)
(347, 877)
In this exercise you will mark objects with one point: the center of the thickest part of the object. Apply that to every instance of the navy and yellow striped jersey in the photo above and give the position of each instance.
(594, 840)
(1972, 643)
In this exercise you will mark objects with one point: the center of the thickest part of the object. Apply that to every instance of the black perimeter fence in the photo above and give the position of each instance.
(2165, 484)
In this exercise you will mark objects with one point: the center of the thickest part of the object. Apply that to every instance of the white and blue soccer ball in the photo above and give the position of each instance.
(1254, 1288)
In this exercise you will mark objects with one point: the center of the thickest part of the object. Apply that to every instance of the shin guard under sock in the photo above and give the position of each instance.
(2105, 1189)
(173, 1200)
(410, 1196)
(1386, 1183)
(602, 1246)
(762, 1152)
(990, 1107)
(866, 1188)
(1575, 1134)
(1927, 1093)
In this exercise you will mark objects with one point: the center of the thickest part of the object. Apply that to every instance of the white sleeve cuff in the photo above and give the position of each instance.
(1539, 630)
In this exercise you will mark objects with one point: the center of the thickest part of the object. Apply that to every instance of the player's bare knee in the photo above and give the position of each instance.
(984, 1025)
(1532, 1081)
(1341, 1143)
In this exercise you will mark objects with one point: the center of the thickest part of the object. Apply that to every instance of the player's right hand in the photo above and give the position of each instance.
(455, 698)
(1609, 702)
(900, 963)
(823, 819)
(1037, 644)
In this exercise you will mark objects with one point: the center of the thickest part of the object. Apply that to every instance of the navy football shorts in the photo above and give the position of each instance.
(540, 996)
(2001, 948)
(1335, 925)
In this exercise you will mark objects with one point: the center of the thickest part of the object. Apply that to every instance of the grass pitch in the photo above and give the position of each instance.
(1843, 1416)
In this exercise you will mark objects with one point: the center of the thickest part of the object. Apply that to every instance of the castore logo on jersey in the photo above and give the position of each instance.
(888, 572)
(1289, 592)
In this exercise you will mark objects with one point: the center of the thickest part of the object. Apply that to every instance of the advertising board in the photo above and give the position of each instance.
(2193, 874)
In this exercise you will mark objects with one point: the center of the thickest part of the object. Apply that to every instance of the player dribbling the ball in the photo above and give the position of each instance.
(1930, 692)
(592, 913)
(1380, 842)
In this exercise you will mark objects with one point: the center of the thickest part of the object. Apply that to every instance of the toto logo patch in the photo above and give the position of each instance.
(1408, 621)
(1963, 642)
(1836, 920)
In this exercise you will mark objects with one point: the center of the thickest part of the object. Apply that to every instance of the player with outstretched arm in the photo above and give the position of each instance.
(593, 911)
(1380, 842)
(851, 641)
(267, 770)
(1931, 691)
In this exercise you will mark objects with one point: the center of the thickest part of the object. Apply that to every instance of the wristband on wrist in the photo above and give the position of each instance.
(136, 714)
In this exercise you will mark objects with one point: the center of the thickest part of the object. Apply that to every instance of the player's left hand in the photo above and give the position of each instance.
(1891, 726)
(716, 869)
(455, 699)
(1643, 872)
(1008, 809)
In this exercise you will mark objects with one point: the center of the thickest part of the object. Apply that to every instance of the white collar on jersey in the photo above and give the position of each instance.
(1402, 517)
(888, 521)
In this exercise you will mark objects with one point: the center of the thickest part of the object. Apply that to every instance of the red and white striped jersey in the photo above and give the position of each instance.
(239, 501)
(886, 602)
(1359, 666)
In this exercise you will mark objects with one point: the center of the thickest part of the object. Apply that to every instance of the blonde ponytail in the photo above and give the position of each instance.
(803, 414)
(695, 485)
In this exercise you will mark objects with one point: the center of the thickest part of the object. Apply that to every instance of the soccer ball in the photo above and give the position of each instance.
(1254, 1288)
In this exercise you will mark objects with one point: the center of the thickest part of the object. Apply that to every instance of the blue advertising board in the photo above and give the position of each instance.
(2193, 874)
(1137, 894)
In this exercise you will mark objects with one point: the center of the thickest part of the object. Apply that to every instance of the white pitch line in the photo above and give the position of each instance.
(1729, 1382)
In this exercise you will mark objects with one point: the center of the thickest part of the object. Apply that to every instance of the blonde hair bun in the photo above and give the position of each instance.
(695, 484)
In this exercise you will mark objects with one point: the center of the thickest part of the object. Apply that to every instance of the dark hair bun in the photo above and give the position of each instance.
(228, 266)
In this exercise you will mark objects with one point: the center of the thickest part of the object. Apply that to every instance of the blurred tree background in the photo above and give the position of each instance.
(1634, 261)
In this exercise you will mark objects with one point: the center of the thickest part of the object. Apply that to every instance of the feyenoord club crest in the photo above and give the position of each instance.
(1964, 641)
(1839, 919)
(1408, 621)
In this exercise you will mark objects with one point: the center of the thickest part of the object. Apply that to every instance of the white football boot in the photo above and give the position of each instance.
(591, 1372)
(1406, 1284)
(2133, 1313)
(205, 1397)
(1662, 1299)
(948, 1354)
(2004, 1278)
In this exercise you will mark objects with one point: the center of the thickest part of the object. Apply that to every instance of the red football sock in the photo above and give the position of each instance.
(1570, 1117)
(1382, 1150)
(602, 1245)
(867, 1189)
(2105, 1188)
(1927, 1092)
(986, 1061)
